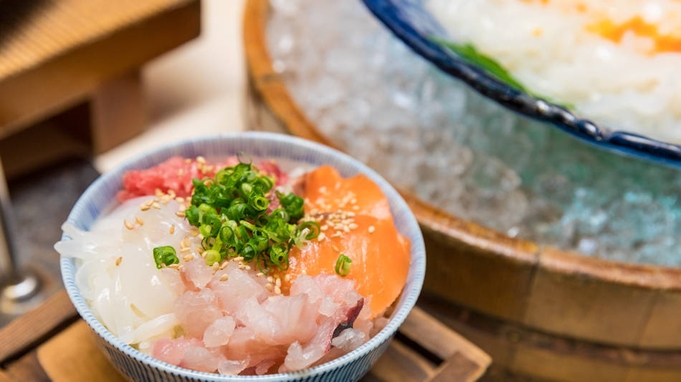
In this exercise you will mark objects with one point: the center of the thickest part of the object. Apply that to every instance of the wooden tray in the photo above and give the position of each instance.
(52, 343)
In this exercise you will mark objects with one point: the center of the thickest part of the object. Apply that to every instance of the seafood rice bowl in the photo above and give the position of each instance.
(242, 256)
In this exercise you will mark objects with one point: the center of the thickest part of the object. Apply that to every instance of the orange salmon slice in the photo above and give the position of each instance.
(358, 223)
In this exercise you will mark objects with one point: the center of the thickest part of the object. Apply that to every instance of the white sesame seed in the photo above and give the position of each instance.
(371, 229)
(224, 265)
(139, 221)
(247, 267)
(269, 287)
(180, 214)
(324, 227)
(174, 266)
(216, 266)
(158, 192)
(172, 229)
(185, 249)
(188, 257)
(287, 277)
(335, 248)
(238, 258)
(270, 279)
(128, 225)
(156, 205)
(277, 290)
(118, 261)
(346, 229)
(321, 236)
(200, 159)
(277, 282)
(356, 208)
(353, 226)
(260, 274)
(224, 277)
(179, 199)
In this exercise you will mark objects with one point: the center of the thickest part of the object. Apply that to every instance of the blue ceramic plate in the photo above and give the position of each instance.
(138, 366)
(415, 25)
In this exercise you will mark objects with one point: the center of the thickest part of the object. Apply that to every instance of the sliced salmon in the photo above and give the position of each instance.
(358, 224)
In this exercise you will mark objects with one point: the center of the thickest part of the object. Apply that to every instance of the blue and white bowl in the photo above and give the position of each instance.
(141, 367)
(414, 24)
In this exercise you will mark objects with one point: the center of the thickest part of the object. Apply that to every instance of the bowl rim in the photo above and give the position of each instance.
(396, 20)
(406, 301)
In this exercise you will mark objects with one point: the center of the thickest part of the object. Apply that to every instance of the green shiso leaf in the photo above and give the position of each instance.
(471, 55)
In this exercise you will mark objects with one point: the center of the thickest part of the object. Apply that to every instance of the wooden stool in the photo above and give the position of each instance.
(58, 54)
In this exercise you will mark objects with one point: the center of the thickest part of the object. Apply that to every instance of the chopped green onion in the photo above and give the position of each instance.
(212, 256)
(231, 213)
(343, 265)
(165, 255)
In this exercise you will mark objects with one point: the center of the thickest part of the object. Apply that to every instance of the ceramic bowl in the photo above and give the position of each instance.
(141, 367)
(414, 24)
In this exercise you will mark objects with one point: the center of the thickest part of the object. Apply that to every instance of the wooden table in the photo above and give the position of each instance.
(58, 54)
(52, 343)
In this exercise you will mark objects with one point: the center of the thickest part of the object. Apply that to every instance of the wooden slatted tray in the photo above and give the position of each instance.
(52, 343)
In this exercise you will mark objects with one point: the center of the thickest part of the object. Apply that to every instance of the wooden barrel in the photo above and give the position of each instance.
(537, 310)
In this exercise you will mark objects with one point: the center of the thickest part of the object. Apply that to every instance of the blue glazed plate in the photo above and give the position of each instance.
(138, 366)
(415, 25)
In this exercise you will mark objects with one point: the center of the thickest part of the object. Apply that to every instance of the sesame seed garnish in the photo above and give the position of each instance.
(172, 194)
(269, 287)
(188, 257)
(216, 266)
(185, 249)
(139, 221)
(224, 265)
(353, 226)
(180, 214)
(194, 231)
(224, 277)
(346, 229)
(337, 234)
(118, 261)
(304, 272)
(174, 266)
(260, 274)
(353, 200)
(172, 229)
(324, 227)
(238, 258)
(128, 225)
(156, 205)
(356, 208)
(277, 290)
(287, 277)
(242, 267)
(277, 282)
(200, 159)
(270, 279)
(247, 267)
(179, 199)
(187, 160)
(335, 248)
(158, 192)
(321, 236)
(185, 242)
(145, 206)
(371, 229)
